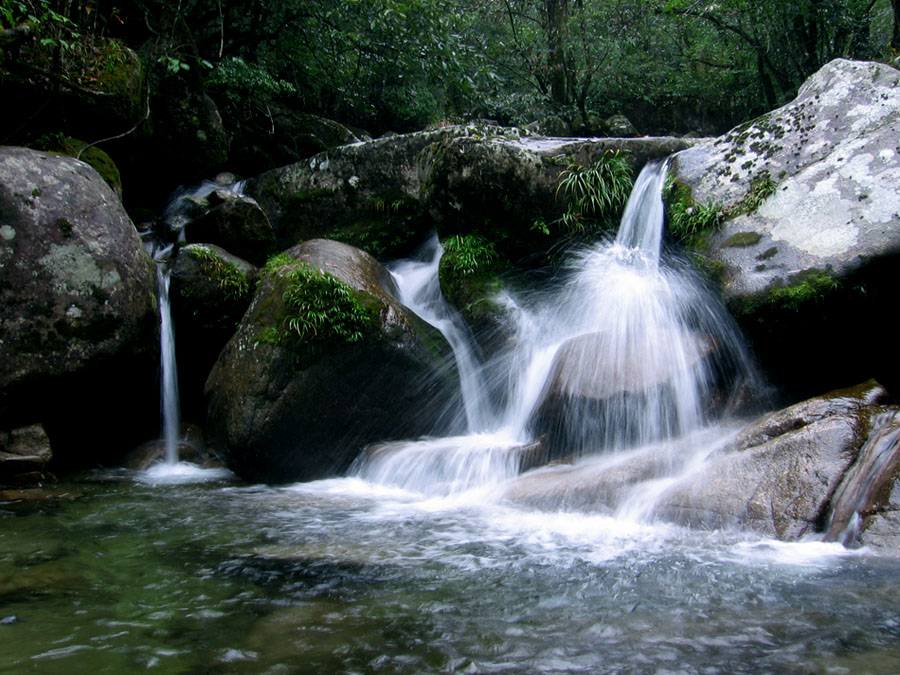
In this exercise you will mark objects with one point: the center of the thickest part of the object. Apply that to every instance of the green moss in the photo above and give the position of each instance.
(318, 309)
(226, 275)
(742, 239)
(807, 287)
(65, 227)
(98, 160)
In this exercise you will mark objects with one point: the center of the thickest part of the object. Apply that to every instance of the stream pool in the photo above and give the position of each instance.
(194, 572)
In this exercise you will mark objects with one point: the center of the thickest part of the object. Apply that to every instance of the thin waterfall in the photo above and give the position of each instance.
(170, 404)
(418, 282)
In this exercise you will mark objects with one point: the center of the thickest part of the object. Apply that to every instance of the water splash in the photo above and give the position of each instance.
(631, 350)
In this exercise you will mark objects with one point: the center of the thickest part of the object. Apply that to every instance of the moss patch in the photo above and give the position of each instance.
(316, 309)
(224, 273)
(742, 239)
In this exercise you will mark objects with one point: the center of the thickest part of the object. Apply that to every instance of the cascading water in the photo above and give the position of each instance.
(633, 350)
(161, 250)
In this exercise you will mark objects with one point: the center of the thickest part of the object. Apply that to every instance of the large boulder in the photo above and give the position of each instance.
(324, 362)
(385, 195)
(783, 475)
(812, 231)
(77, 308)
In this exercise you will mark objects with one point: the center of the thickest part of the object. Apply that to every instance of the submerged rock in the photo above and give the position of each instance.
(812, 231)
(322, 365)
(77, 307)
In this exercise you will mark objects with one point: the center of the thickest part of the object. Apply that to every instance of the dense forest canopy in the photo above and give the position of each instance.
(399, 65)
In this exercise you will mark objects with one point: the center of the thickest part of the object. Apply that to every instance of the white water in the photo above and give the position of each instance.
(169, 400)
(631, 351)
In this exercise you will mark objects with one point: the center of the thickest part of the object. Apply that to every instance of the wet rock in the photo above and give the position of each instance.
(77, 307)
(779, 475)
(24, 455)
(236, 223)
(810, 191)
(291, 399)
(209, 292)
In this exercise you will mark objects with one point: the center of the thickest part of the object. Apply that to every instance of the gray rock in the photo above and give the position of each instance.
(777, 476)
(237, 224)
(806, 268)
(77, 305)
(833, 156)
(285, 407)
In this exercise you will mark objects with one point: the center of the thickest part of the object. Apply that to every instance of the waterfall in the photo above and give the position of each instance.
(632, 350)
(170, 406)
(420, 290)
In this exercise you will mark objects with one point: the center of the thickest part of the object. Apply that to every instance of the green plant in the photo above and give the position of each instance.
(687, 219)
(228, 276)
(761, 188)
(595, 194)
(468, 254)
(318, 306)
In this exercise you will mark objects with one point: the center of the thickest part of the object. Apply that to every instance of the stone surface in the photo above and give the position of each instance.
(386, 195)
(209, 292)
(816, 256)
(283, 408)
(236, 223)
(777, 476)
(77, 303)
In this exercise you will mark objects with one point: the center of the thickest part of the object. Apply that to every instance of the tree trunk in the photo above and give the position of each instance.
(557, 15)
(895, 39)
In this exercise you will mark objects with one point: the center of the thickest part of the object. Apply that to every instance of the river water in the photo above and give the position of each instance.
(417, 563)
(194, 572)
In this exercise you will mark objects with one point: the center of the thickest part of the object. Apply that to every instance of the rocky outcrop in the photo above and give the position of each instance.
(236, 223)
(324, 362)
(778, 476)
(386, 194)
(812, 232)
(209, 292)
(77, 306)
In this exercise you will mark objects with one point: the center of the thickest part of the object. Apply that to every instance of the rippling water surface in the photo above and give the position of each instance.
(194, 573)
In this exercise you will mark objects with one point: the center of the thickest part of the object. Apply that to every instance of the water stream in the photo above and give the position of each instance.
(418, 564)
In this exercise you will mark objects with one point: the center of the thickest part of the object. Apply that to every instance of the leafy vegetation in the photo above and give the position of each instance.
(467, 254)
(227, 276)
(595, 195)
(319, 307)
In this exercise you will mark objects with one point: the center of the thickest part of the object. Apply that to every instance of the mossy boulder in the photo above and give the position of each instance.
(77, 308)
(99, 160)
(386, 195)
(209, 292)
(810, 226)
(324, 362)
(95, 92)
